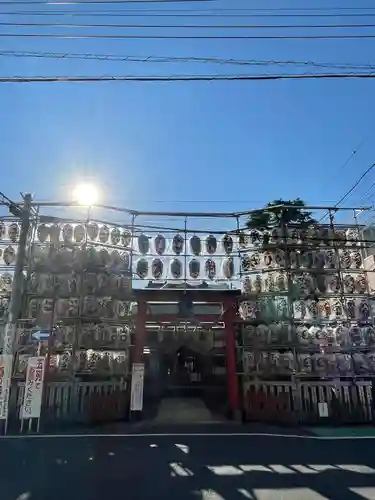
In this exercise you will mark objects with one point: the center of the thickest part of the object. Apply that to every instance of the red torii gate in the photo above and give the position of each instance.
(228, 299)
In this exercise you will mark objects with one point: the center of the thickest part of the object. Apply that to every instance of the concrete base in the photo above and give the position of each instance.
(237, 416)
(135, 416)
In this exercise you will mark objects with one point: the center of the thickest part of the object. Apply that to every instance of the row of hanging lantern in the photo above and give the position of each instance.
(276, 308)
(309, 259)
(80, 233)
(87, 335)
(105, 234)
(83, 362)
(305, 336)
(315, 236)
(194, 245)
(319, 364)
(333, 309)
(341, 364)
(249, 262)
(91, 257)
(73, 232)
(71, 284)
(305, 283)
(176, 268)
(121, 263)
(74, 307)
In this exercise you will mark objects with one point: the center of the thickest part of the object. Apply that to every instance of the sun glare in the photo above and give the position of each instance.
(85, 194)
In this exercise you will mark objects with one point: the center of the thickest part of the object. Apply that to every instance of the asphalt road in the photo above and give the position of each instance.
(207, 467)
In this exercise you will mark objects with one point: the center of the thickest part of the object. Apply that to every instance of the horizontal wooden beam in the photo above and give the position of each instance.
(177, 294)
(174, 318)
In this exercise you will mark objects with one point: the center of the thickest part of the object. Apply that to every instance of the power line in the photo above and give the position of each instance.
(302, 10)
(187, 37)
(188, 26)
(368, 194)
(179, 78)
(176, 13)
(345, 196)
(94, 2)
(351, 156)
(182, 59)
(347, 161)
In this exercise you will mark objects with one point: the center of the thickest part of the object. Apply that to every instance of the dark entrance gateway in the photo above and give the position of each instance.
(185, 336)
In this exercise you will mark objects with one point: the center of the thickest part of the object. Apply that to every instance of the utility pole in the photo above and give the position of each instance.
(10, 336)
(14, 308)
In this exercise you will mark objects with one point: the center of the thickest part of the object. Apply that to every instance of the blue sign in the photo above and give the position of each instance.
(41, 335)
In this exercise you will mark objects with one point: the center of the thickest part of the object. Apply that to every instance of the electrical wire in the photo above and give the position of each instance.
(179, 78)
(346, 162)
(186, 59)
(346, 195)
(351, 156)
(176, 13)
(302, 10)
(187, 37)
(354, 152)
(94, 2)
(369, 193)
(188, 26)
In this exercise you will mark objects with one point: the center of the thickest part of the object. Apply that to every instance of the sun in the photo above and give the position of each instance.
(85, 194)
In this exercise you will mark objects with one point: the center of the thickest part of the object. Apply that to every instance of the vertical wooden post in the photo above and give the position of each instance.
(140, 332)
(137, 382)
(231, 358)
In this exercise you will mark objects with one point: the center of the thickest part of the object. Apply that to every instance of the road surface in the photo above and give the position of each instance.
(186, 466)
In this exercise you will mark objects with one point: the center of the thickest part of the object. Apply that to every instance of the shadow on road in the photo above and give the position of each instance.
(199, 467)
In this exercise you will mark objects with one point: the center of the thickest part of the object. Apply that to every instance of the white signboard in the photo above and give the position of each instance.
(5, 379)
(32, 400)
(136, 395)
(323, 409)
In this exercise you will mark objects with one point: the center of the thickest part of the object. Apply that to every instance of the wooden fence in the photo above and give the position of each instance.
(308, 402)
(276, 402)
(79, 401)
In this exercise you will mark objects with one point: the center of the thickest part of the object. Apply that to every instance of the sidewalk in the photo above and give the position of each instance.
(345, 431)
(150, 427)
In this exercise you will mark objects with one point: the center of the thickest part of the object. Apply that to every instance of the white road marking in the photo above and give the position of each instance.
(225, 470)
(303, 469)
(287, 494)
(24, 496)
(183, 447)
(360, 469)
(322, 468)
(210, 495)
(254, 468)
(281, 469)
(179, 469)
(245, 493)
(233, 470)
(367, 493)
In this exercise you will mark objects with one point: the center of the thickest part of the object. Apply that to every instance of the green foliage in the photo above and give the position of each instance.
(284, 212)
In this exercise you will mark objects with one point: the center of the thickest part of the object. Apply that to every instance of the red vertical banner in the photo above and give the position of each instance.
(231, 356)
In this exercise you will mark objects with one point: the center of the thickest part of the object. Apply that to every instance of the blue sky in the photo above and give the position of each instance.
(187, 146)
